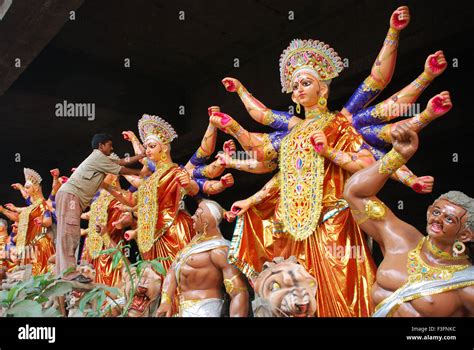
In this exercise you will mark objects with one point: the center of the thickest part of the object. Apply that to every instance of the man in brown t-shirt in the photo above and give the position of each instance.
(75, 196)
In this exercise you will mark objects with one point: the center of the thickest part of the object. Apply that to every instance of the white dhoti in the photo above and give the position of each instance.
(201, 308)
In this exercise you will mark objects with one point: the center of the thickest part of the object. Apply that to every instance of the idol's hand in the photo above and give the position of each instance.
(183, 179)
(129, 135)
(231, 84)
(229, 147)
(224, 159)
(164, 310)
(122, 207)
(404, 140)
(220, 120)
(240, 207)
(63, 179)
(229, 216)
(125, 219)
(423, 184)
(17, 186)
(400, 18)
(11, 207)
(130, 234)
(435, 64)
(54, 172)
(319, 142)
(38, 221)
(227, 180)
(439, 104)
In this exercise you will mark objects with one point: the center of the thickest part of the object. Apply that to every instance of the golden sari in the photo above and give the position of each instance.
(164, 228)
(306, 216)
(104, 213)
(33, 244)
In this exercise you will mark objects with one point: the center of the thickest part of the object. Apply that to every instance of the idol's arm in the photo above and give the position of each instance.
(169, 288)
(117, 193)
(248, 165)
(9, 214)
(257, 110)
(137, 146)
(383, 67)
(19, 187)
(349, 161)
(206, 149)
(234, 284)
(240, 207)
(400, 103)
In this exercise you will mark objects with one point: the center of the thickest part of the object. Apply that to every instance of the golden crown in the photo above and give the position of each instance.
(308, 54)
(32, 176)
(153, 125)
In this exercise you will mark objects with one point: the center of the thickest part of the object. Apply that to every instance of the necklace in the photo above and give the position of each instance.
(419, 270)
(439, 253)
(313, 113)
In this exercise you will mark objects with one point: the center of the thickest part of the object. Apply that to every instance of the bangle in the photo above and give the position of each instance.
(391, 162)
(234, 128)
(241, 91)
(253, 200)
(230, 286)
(392, 37)
(423, 119)
(165, 298)
(422, 81)
(373, 210)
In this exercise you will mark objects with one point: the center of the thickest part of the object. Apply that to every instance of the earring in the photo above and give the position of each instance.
(322, 102)
(298, 108)
(163, 156)
(458, 248)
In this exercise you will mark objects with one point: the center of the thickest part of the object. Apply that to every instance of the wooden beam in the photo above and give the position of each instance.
(25, 30)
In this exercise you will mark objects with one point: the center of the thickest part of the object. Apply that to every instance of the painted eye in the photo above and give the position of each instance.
(275, 286)
(449, 220)
(436, 212)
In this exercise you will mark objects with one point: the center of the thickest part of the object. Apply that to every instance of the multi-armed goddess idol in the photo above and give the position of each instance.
(301, 210)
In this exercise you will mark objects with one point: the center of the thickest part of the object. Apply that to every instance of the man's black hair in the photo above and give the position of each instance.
(100, 138)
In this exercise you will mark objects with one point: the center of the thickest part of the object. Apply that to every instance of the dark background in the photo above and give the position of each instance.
(180, 63)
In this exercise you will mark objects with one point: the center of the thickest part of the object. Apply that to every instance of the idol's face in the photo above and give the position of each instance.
(153, 149)
(306, 90)
(30, 188)
(201, 217)
(445, 221)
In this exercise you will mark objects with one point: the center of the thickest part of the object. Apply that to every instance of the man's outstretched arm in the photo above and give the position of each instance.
(361, 190)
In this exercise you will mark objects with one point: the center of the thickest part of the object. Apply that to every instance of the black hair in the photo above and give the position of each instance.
(100, 139)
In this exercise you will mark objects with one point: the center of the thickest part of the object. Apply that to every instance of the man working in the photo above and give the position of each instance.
(75, 196)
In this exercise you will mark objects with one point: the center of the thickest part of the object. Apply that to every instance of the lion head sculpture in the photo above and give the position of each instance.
(284, 289)
(148, 289)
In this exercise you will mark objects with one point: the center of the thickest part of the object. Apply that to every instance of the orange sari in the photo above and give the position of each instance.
(103, 212)
(306, 216)
(164, 228)
(34, 246)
